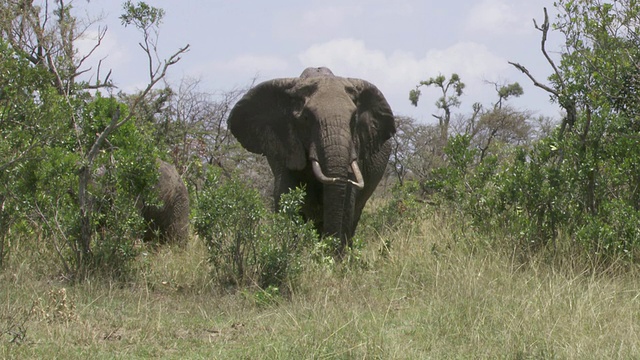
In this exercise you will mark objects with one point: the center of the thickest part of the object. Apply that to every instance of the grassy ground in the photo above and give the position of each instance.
(436, 294)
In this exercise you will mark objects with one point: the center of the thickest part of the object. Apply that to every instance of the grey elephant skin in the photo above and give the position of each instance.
(325, 132)
(169, 221)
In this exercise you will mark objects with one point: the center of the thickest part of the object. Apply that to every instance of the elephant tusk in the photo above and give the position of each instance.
(356, 172)
(317, 171)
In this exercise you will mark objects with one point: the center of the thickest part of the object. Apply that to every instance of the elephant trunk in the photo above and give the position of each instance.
(338, 213)
(333, 170)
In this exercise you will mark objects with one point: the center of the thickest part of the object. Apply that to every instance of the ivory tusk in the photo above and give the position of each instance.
(356, 172)
(317, 171)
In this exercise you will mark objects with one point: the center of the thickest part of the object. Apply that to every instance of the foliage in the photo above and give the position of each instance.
(248, 244)
(227, 220)
(430, 297)
(141, 15)
(75, 167)
(446, 102)
(583, 175)
(29, 109)
(579, 182)
(403, 207)
(126, 171)
(451, 180)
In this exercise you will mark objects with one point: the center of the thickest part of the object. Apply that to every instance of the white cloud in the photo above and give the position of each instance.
(499, 17)
(112, 55)
(328, 17)
(347, 54)
(248, 64)
(399, 72)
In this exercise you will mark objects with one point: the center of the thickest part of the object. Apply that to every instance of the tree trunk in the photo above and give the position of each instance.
(83, 249)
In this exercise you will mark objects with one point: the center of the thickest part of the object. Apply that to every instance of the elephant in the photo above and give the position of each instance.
(169, 220)
(327, 133)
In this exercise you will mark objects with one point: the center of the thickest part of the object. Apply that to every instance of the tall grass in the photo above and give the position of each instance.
(431, 288)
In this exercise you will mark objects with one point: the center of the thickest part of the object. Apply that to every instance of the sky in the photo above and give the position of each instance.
(393, 44)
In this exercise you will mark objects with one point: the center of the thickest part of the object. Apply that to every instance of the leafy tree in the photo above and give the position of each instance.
(413, 150)
(481, 138)
(63, 135)
(29, 108)
(446, 102)
(586, 171)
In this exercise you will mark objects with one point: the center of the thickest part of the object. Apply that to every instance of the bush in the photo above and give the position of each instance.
(248, 244)
(403, 206)
(47, 194)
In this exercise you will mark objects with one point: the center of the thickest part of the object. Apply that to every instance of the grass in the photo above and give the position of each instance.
(438, 293)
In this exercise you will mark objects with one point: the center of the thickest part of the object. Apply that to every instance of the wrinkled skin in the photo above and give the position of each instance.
(327, 120)
(170, 220)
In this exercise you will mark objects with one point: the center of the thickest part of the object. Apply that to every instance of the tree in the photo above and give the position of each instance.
(29, 107)
(446, 102)
(486, 128)
(413, 149)
(590, 163)
(90, 130)
(501, 124)
(189, 123)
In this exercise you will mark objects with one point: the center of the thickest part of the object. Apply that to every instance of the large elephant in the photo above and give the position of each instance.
(322, 131)
(169, 220)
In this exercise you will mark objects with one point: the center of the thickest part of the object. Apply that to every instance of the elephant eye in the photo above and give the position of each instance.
(304, 117)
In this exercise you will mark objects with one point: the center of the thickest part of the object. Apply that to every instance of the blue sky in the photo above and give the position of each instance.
(393, 44)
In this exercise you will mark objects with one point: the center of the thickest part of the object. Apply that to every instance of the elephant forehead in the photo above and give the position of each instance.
(332, 93)
(326, 84)
(330, 103)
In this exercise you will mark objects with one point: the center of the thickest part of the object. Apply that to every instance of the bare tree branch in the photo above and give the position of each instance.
(566, 101)
(534, 80)
(545, 29)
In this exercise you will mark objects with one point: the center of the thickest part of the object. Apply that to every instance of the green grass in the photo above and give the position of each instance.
(439, 293)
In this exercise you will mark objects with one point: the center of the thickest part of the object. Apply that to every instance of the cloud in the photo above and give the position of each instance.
(352, 56)
(328, 17)
(347, 54)
(499, 17)
(250, 63)
(113, 56)
(398, 72)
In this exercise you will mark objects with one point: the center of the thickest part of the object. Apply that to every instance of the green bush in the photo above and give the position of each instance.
(47, 193)
(227, 219)
(403, 207)
(248, 244)
(450, 181)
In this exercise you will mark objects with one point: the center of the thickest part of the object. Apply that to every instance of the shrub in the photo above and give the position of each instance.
(248, 244)
(403, 207)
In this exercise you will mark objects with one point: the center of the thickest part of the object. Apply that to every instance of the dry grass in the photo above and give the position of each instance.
(438, 293)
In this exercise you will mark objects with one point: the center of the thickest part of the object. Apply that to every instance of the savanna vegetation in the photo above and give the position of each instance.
(495, 234)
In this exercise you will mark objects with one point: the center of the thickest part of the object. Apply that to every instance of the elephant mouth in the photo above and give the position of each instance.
(317, 171)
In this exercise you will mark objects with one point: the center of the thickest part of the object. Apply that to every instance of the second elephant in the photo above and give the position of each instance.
(322, 131)
(169, 220)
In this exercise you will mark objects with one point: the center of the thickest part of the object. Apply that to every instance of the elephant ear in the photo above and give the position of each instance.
(263, 122)
(376, 123)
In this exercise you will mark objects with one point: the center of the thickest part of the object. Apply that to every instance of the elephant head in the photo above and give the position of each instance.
(322, 131)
